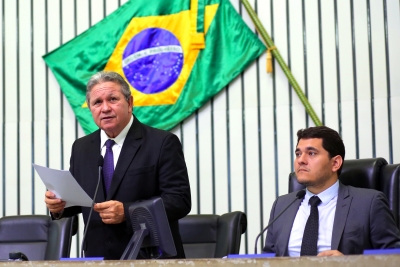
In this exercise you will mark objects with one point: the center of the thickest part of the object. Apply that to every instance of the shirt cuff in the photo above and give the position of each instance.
(57, 215)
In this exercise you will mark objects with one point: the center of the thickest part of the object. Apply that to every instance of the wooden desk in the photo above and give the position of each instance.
(350, 261)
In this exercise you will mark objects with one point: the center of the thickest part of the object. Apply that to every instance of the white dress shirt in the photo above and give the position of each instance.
(119, 141)
(326, 210)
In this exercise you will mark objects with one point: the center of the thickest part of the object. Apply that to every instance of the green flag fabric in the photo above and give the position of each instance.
(174, 54)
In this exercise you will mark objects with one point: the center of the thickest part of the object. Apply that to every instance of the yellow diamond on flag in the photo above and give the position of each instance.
(156, 55)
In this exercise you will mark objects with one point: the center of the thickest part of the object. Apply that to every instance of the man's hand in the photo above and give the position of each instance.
(111, 212)
(54, 204)
(328, 253)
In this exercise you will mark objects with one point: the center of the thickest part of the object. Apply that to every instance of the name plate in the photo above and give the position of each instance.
(382, 251)
(83, 259)
(244, 256)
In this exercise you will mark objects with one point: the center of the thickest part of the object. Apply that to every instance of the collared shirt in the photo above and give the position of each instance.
(119, 141)
(326, 210)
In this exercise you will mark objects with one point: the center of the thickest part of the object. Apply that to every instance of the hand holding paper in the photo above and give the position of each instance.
(64, 186)
(53, 203)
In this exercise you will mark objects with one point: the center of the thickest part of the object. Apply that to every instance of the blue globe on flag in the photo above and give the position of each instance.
(152, 60)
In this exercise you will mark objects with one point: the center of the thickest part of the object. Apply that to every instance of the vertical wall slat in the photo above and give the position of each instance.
(53, 90)
(329, 85)
(371, 78)
(68, 119)
(2, 97)
(25, 107)
(305, 62)
(389, 108)
(68, 31)
(393, 20)
(39, 107)
(347, 103)
(313, 57)
(189, 149)
(111, 6)
(10, 109)
(250, 89)
(338, 75)
(297, 62)
(236, 145)
(282, 92)
(205, 159)
(96, 11)
(32, 115)
(363, 80)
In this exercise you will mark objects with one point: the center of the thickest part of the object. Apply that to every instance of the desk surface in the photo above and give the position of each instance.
(358, 260)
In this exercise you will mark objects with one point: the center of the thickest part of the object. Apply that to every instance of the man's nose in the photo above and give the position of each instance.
(105, 106)
(302, 158)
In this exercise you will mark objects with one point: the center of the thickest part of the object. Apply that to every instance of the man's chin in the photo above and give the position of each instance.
(109, 129)
(304, 182)
(107, 125)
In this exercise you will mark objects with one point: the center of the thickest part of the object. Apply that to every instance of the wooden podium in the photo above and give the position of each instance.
(350, 261)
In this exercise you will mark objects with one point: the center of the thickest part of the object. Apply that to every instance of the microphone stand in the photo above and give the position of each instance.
(299, 195)
(100, 164)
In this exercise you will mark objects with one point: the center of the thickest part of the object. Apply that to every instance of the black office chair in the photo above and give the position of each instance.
(212, 236)
(390, 185)
(374, 173)
(37, 236)
(363, 173)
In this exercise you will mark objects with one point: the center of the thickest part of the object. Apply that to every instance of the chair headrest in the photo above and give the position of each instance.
(362, 173)
(199, 228)
(19, 228)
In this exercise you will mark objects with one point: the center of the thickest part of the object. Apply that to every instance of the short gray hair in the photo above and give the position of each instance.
(107, 76)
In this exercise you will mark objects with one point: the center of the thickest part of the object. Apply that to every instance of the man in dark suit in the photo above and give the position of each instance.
(148, 162)
(348, 219)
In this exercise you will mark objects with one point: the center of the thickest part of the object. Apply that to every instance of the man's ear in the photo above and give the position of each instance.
(337, 162)
(130, 102)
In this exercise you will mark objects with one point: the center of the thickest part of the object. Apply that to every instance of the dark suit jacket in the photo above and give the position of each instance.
(151, 163)
(363, 220)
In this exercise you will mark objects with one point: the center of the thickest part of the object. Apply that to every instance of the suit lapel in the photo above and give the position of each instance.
(287, 225)
(94, 158)
(132, 143)
(342, 210)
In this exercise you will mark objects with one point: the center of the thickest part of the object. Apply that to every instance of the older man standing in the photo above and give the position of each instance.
(147, 162)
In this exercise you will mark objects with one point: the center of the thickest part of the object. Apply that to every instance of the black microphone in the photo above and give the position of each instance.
(299, 195)
(17, 256)
(100, 164)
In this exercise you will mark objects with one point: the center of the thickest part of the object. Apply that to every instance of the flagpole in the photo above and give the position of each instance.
(275, 52)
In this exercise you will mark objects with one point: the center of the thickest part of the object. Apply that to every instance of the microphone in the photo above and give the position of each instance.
(17, 256)
(100, 164)
(299, 195)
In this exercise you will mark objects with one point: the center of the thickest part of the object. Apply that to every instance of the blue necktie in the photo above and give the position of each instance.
(108, 167)
(310, 236)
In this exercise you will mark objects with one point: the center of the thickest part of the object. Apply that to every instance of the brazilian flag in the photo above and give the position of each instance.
(175, 55)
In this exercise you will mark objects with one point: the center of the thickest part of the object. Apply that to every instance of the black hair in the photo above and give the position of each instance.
(331, 140)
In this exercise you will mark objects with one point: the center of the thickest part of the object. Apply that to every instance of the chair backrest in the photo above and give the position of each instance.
(37, 236)
(390, 185)
(212, 236)
(374, 173)
(363, 173)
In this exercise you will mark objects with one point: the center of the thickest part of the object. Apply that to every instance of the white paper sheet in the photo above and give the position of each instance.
(64, 186)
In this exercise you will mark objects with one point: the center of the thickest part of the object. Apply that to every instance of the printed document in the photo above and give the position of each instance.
(64, 186)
